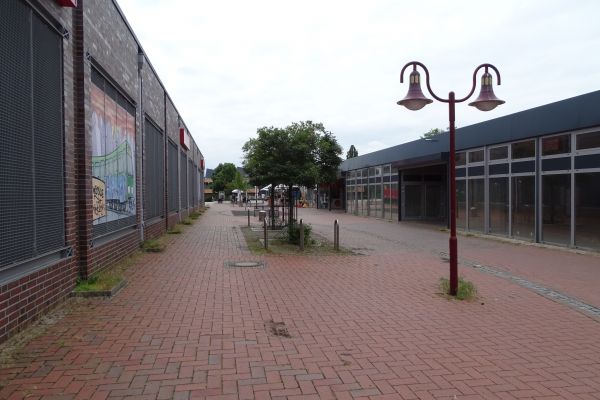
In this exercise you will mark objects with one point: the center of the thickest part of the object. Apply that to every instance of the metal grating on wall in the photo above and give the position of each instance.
(173, 187)
(31, 136)
(154, 198)
(183, 180)
(195, 185)
(190, 188)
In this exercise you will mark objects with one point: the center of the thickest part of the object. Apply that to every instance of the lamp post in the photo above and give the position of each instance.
(487, 101)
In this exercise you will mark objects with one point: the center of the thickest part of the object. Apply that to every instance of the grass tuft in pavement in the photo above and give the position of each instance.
(175, 230)
(154, 245)
(466, 289)
(109, 277)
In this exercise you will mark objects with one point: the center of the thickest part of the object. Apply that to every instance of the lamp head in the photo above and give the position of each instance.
(487, 100)
(414, 99)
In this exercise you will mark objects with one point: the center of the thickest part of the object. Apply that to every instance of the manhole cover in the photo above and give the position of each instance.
(244, 264)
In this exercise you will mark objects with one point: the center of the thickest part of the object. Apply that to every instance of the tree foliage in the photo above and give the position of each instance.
(223, 175)
(432, 133)
(239, 182)
(352, 152)
(303, 153)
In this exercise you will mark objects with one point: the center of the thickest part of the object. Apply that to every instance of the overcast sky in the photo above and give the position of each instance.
(234, 66)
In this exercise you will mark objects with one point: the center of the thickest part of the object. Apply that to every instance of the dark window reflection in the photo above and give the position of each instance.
(556, 145)
(587, 210)
(556, 209)
(523, 149)
(588, 140)
(499, 153)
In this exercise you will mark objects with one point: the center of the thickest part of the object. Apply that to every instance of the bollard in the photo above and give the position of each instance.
(337, 234)
(301, 236)
(265, 233)
(248, 217)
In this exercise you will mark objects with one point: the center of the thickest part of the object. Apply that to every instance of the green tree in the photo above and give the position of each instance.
(238, 182)
(303, 153)
(352, 152)
(432, 133)
(223, 175)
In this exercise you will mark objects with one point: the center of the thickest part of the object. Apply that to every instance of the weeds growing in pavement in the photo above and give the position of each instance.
(175, 230)
(154, 245)
(466, 289)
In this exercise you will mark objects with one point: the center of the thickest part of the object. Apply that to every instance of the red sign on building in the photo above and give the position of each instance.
(184, 139)
(67, 3)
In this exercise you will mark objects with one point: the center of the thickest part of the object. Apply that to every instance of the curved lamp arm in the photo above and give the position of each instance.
(416, 63)
(486, 66)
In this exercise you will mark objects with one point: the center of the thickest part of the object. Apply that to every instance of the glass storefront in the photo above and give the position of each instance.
(545, 189)
(523, 207)
(498, 208)
(476, 204)
(461, 204)
(556, 209)
(587, 210)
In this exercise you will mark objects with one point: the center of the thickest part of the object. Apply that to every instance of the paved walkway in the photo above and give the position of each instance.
(359, 326)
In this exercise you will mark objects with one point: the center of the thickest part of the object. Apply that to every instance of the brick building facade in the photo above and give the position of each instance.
(94, 156)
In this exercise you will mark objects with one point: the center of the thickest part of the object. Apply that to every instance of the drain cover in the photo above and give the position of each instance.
(244, 264)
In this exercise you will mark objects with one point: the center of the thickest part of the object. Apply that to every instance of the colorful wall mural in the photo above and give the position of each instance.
(113, 158)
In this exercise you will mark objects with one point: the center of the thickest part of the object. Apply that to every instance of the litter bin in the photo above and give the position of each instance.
(261, 215)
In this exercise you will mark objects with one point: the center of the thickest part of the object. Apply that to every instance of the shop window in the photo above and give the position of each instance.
(524, 149)
(183, 176)
(587, 210)
(191, 179)
(498, 206)
(589, 140)
(556, 209)
(476, 156)
(460, 159)
(461, 204)
(476, 204)
(113, 157)
(154, 198)
(523, 207)
(31, 137)
(556, 145)
(173, 183)
(499, 153)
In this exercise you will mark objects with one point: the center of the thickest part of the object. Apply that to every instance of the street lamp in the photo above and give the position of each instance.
(486, 101)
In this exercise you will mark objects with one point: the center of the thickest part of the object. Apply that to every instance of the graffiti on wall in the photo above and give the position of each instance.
(99, 198)
(113, 158)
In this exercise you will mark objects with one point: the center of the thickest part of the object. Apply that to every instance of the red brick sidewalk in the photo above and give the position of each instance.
(572, 273)
(361, 326)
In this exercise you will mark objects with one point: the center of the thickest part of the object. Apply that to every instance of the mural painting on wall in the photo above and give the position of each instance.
(113, 162)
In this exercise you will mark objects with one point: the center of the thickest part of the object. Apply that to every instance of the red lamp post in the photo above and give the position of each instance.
(415, 100)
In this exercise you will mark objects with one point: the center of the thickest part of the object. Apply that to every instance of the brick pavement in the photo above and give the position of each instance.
(361, 326)
(574, 273)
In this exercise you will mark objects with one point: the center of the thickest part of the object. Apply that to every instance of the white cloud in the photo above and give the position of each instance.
(234, 66)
